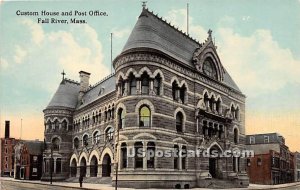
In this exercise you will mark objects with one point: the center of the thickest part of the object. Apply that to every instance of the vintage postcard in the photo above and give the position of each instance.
(128, 94)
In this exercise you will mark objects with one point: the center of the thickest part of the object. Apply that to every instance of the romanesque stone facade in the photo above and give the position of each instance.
(169, 93)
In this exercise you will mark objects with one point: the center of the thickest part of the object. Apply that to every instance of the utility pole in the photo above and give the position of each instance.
(117, 157)
(187, 18)
(111, 63)
(21, 129)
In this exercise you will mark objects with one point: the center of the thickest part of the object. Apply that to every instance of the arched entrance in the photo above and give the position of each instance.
(94, 166)
(83, 167)
(73, 168)
(215, 162)
(106, 166)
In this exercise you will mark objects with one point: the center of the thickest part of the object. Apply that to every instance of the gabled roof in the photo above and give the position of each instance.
(153, 32)
(66, 95)
(102, 88)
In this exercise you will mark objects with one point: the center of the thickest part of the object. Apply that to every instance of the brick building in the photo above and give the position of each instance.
(7, 152)
(169, 92)
(273, 163)
(28, 160)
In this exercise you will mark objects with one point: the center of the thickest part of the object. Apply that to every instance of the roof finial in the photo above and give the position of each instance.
(63, 74)
(144, 4)
(209, 32)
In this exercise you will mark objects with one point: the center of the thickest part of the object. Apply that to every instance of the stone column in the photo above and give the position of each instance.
(99, 174)
(54, 161)
(78, 171)
(145, 157)
(151, 88)
(88, 171)
(180, 157)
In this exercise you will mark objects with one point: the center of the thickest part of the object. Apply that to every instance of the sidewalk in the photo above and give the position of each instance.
(89, 186)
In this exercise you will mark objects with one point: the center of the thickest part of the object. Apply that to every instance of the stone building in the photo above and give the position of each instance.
(169, 93)
(272, 163)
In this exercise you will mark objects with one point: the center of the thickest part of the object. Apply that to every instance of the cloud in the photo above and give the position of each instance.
(3, 63)
(20, 54)
(257, 62)
(178, 17)
(77, 48)
(120, 33)
(36, 30)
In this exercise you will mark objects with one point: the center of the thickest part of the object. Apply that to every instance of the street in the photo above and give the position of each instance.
(23, 185)
(17, 185)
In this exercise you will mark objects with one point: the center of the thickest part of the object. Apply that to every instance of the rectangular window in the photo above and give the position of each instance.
(252, 140)
(34, 171)
(259, 161)
(266, 139)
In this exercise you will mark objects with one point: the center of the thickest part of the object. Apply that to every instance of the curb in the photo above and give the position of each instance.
(279, 186)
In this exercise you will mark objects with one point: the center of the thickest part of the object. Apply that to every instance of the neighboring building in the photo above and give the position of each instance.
(273, 162)
(297, 166)
(7, 152)
(28, 159)
(169, 92)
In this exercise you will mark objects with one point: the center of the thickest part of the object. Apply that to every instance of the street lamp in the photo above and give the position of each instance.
(51, 162)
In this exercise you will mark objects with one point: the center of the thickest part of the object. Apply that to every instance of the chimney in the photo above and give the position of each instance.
(84, 83)
(7, 125)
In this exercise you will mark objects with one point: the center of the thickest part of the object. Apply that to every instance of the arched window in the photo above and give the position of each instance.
(218, 106)
(105, 116)
(237, 113)
(55, 144)
(236, 136)
(48, 125)
(58, 165)
(176, 156)
(183, 158)
(56, 125)
(121, 118)
(76, 143)
(175, 91)
(85, 140)
(124, 155)
(109, 114)
(151, 154)
(113, 112)
(99, 117)
(232, 112)
(209, 69)
(145, 83)
(145, 115)
(132, 84)
(157, 85)
(96, 137)
(183, 93)
(179, 122)
(138, 147)
(206, 100)
(122, 86)
(64, 125)
(109, 134)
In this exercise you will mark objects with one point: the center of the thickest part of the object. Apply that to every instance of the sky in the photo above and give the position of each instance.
(257, 42)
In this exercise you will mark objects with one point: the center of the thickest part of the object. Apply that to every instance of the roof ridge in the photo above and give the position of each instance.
(173, 26)
(71, 81)
(101, 81)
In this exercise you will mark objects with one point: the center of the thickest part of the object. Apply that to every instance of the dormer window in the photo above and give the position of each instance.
(209, 69)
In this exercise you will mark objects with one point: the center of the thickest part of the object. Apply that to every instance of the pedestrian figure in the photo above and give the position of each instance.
(80, 180)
